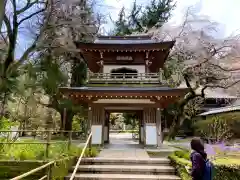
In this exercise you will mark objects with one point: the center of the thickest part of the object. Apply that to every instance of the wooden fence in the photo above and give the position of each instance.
(48, 166)
(46, 138)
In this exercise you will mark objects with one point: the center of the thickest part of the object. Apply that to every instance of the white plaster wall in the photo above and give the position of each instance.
(108, 68)
(97, 134)
(151, 134)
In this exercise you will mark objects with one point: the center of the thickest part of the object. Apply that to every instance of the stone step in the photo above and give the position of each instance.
(119, 161)
(123, 176)
(126, 169)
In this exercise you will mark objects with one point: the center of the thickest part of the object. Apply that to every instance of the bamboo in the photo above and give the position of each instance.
(80, 158)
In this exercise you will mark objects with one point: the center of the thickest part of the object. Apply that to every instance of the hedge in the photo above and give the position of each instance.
(221, 172)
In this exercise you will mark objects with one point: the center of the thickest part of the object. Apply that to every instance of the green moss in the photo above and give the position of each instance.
(11, 169)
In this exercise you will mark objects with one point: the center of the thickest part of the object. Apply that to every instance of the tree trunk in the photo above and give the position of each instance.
(69, 118)
(62, 121)
(67, 125)
(2, 11)
(2, 113)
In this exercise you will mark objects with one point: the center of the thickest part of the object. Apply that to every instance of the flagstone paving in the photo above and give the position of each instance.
(123, 146)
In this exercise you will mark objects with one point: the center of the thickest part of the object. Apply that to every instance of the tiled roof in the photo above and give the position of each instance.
(123, 88)
(136, 41)
(211, 93)
(145, 39)
(221, 110)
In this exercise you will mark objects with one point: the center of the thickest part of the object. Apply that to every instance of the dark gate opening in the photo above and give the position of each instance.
(124, 72)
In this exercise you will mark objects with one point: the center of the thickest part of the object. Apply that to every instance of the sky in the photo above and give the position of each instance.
(224, 12)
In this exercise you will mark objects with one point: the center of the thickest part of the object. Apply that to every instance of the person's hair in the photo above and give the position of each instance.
(198, 146)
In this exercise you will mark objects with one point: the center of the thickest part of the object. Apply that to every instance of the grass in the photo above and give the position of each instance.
(228, 158)
(227, 161)
(38, 151)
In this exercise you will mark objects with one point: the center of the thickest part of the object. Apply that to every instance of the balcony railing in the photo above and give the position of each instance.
(124, 78)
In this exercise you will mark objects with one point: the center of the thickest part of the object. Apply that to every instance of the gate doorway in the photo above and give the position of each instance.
(124, 128)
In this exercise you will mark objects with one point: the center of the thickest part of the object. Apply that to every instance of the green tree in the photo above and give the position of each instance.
(13, 20)
(130, 119)
(121, 25)
(141, 19)
(63, 66)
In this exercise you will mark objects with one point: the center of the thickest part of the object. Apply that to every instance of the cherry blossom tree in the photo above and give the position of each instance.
(198, 59)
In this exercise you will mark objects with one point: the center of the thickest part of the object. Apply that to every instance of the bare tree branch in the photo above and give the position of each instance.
(29, 4)
(43, 28)
(225, 69)
(8, 26)
(30, 16)
(223, 87)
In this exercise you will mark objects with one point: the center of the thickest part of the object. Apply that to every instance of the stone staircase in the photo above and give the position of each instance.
(117, 169)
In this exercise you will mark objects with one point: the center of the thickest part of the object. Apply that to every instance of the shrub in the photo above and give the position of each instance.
(93, 152)
(232, 120)
(61, 167)
(215, 129)
(182, 154)
(180, 164)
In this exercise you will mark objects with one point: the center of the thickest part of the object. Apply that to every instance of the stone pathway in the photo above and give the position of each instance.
(123, 146)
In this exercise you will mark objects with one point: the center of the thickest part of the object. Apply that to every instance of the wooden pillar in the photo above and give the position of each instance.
(107, 116)
(89, 118)
(102, 119)
(159, 127)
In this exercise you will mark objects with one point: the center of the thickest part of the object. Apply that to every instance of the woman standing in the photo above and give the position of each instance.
(201, 167)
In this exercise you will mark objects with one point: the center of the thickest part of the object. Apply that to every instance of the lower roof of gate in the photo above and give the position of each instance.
(124, 89)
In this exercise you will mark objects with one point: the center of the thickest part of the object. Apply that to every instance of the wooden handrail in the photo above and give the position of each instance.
(49, 163)
(38, 169)
(80, 158)
(33, 171)
(44, 177)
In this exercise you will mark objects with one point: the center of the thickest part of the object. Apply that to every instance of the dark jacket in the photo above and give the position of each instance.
(198, 164)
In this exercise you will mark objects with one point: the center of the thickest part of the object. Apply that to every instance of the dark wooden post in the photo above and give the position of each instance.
(49, 175)
(64, 121)
(159, 127)
(48, 144)
(69, 140)
(89, 120)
